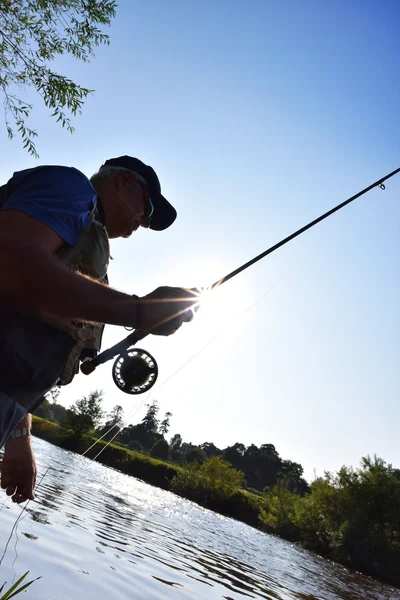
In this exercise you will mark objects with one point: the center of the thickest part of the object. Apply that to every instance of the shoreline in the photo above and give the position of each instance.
(240, 505)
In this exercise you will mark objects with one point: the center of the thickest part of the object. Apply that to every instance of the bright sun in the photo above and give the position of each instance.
(222, 305)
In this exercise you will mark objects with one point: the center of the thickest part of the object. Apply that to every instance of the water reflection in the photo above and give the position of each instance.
(99, 534)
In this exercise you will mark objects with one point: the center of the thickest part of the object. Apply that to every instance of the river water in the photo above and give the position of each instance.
(97, 534)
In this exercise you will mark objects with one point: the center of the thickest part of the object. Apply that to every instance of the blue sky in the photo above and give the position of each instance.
(258, 117)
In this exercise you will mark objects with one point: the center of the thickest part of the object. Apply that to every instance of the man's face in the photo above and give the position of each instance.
(132, 204)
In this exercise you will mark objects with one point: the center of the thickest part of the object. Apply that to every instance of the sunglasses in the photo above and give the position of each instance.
(150, 208)
(148, 201)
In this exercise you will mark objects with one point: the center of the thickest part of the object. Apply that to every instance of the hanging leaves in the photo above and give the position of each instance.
(32, 34)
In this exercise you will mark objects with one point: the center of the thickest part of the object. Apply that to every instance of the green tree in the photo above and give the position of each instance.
(32, 34)
(195, 454)
(160, 450)
(150, 422)
(281, 516)
(164, 425)
(45, 411)
(114, 422)
(354, 516)
(234, 454)
(292, 473)
(176, 441)
(210, 449)
(59, 411)
(85, 414)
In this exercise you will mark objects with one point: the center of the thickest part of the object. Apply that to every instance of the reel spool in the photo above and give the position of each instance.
(135, 371)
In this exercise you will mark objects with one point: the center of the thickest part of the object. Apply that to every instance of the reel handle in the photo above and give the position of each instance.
(88, 366)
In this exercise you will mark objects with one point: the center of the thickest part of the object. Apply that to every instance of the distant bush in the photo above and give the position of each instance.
(160, 450)
(280, 514)
(46, 429)
(353, 517)
(215, 478)
(135, 445)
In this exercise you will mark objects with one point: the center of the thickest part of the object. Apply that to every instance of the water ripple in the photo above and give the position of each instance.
(100, 534)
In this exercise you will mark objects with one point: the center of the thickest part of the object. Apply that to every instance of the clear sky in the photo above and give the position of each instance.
(258, 116)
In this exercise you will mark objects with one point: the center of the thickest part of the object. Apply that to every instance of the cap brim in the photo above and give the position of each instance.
(164, 213)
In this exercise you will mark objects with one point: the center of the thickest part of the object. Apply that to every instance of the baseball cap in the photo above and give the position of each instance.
(164, 213)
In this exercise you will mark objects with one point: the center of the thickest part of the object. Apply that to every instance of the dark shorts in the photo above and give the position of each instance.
(32, 358)
(11, 414)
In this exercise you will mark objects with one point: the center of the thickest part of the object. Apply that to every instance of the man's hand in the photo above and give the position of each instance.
(18, 469)
(164, 310)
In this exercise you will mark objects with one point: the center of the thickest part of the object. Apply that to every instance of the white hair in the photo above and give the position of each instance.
(106, 173)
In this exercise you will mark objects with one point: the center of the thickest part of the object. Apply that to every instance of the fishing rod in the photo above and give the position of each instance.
(135, 371)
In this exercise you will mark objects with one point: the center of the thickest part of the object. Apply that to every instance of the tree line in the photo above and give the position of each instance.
(261, 466)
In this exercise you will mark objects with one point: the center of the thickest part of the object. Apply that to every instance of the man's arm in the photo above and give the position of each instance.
(35, 282)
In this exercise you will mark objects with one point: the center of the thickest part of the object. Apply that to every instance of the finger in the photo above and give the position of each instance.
(19, 498)
(10, 490)
(19, 491)
(5, 481)
(188, 315)
(27, 489)
(189, 296)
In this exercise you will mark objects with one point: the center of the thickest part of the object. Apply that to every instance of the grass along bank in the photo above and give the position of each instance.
(352, 517)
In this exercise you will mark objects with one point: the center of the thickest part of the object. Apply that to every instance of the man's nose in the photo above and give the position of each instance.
(145, 222)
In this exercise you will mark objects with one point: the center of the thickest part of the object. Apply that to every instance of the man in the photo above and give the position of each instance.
(54, 297)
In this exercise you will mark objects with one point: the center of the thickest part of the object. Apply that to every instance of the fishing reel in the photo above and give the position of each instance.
(135, 371)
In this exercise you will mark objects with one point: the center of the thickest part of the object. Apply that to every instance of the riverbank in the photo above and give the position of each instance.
(240, 504)
(337, 520)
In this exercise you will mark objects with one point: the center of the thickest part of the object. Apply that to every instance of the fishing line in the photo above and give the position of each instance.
(213, 339)
(19, 518)
(25, 507)
(129, 416)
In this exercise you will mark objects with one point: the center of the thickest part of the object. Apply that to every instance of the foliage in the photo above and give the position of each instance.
(150, 422)
(210, 449)
(32, 34)
(195, 454)
(14, 589)
(176, 441)
(263, 466)
(85, 414)
(135, 445)
(213, 478)
(352, 517)
(139, 434)
(45, 429)
(45, 411)
(160, 450)
(357, 516)
(145, 432)
(114, 422)
(164, 425)
(282, 505)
